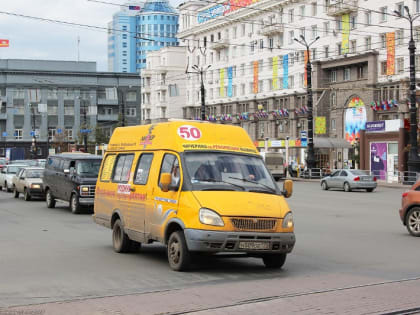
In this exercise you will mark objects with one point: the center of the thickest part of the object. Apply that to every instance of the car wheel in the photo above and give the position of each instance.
(274, 260)
(347, 187)
(178, 255)
(120, 240)
(324, 185)
(49, 198)
(26, 195)
(7, 187)
(370, 189)
(413, 221)
(16, 193)
(74, 204)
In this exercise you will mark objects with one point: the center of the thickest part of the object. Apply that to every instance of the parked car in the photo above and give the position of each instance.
(275, 163)
(25, 162)
(3, 162)
(410, 209)
(71, 177)
(6, 176)
(28, 181)
(349, 179)
(41, 162)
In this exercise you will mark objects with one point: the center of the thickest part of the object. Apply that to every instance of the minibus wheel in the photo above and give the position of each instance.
(178, 255)
(120, 240)
(274, 260)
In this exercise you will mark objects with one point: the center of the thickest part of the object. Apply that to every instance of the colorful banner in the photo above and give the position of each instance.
(306, 68)
(320, 125)
(255, 90)
(230, 75)
(355, 119)
(390, 50)
(285, 71)
(345, 26)
(4, 43)
(275, 72)
(134, 7)
(222, 82)
(378, 159)
(223, 9)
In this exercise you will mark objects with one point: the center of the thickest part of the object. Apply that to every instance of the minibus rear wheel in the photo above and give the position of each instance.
(120, 240)
(178, 255)
(274, 260)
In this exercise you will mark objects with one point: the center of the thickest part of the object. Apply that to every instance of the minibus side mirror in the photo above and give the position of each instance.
(165, 180)
(287, 188)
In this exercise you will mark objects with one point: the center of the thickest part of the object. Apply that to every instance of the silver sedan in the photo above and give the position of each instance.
(349, 180)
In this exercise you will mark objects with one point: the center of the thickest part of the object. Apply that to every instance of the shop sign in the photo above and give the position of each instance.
(375, 126)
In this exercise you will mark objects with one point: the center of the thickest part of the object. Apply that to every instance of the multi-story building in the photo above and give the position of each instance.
(138, 29)
(122, 41)
(163, 84)
(57, 101)
(257, 77)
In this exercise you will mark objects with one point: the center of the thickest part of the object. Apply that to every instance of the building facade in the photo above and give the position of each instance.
(138, 29)
(257, 77)
(163, 84)
(55, 102)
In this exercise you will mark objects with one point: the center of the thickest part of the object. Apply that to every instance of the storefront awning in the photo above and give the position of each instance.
(331, 143)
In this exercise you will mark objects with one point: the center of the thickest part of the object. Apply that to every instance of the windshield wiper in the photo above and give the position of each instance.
(254, 182)
(212, 180)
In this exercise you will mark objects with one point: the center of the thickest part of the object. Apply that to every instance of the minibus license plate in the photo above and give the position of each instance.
(254, 245)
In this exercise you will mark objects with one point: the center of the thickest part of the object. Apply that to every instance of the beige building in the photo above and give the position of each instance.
(163, 84)
(258, 70)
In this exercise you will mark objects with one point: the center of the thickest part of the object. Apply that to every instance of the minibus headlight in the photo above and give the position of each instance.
(210, 217)
(288, 221)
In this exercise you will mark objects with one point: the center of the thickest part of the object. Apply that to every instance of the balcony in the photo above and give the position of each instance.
(107, 117)
(272, 29)
(146, 73)
(220, 44)
(161, 87)
(105, 101)
(146, 89)
(340, 7)
(3, 116)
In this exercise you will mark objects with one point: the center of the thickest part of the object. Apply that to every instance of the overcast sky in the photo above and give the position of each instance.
(32, 39)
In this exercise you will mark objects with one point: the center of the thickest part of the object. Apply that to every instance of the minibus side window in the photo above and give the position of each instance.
(122, 168)
(107, 168)
(143, 169)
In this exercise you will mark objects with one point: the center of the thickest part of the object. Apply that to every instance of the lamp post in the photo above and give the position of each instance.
(413, 157)
(311, 154)
(201, 72)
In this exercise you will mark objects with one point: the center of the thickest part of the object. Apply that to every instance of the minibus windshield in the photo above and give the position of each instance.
(209, 170)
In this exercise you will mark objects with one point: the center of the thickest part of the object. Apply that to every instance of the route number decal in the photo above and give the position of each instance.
(189, 132)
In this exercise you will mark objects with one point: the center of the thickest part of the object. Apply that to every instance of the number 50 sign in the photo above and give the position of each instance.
(189, 132)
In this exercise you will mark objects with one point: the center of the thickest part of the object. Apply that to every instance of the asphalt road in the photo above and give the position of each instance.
(342, 239)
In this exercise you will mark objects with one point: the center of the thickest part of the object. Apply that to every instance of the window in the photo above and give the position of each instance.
(368, 17)
(302, 12)
(261, 44)
(333, 76)
(326, 28)
(107, 167)
(130, 112)
(383, 14)
(170, 165)
(143, 168)
(360, 72)
(399, 7)
(399, 37)
(353, 46)
(314, 9)
(51, 133)
(270, 43)
(68, 133)
(291, 16)
(314, 33)
(333, 99)
(368, 42)
(417, 6)
(400, 65)
(353, 22)
(18, 134)
(291, 37)
(339, 49)
(346, 74)
(333, 124)
(122, 168)
(326, 51)
(383, 68)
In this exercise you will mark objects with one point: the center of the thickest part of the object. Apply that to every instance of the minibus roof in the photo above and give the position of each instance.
(182, 136)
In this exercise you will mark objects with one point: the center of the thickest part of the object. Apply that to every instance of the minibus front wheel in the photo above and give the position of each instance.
(274, 260)
(178, 255)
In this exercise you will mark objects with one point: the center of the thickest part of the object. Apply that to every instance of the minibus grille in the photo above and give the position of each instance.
(253, 224)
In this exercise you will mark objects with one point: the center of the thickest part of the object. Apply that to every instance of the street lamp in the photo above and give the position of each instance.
(311, 154)
(203, 99)
(413, 157)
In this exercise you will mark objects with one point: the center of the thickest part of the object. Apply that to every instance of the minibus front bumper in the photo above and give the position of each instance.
(249, 242)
